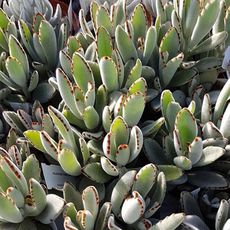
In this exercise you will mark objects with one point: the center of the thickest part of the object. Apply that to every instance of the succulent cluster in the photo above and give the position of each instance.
(134, 107)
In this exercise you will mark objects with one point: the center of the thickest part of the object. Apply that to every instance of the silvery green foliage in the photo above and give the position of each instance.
(96, 159)
(82, 211)
(190, 143)
(43, 41)
(22, 197)
(37, 119)
(190, 58)
(136, 197)
(17, 73)
(26, 9)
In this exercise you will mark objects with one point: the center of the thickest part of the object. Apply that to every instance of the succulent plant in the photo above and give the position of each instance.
(187, 142)
(137, 196)
(25, 10)
(17, 75)
(43, 41)
(85, 213)
(35, 119)
(22, 196)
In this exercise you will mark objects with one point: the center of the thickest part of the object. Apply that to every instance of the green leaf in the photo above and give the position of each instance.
(121, 189)
(31, 168)
(221, 101)
(49, 144)
(9, 211)
(170, 43)
(94, 172)
(135, 74)
(119, 130)
(54, 207)
(210, 43)
(125, 45)
(103, 19)
(150, 44)
(14, 174)
(34, 138)
(48, 42)
(109, 73)
(16, 51)
(186, 128)
(170, 68)
(66, 90)
(133, 108)
(145, 179)
(204, 22)
(4, 20)
(190, 14)
(16, 71)
(171, 172)
(90, 198)
(104, 43)
(81, 72)
(103, 216)
(69, 163)
(139, 22)
(90, 117)
(63, 127)
(71, 194)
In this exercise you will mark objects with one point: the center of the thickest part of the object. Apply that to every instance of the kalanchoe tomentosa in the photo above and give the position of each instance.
(190, 143)
(86, 213)
(22, 197)
(136, 197)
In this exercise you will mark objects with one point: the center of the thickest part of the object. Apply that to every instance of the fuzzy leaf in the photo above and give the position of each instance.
(145, 179)
(104, 43)
(48, 41)
(204, 22)
(34, 137)
(16, 71)
(171, 172)
(210, 154)
(16, 51)
(133, 108)
(109, 73)
(9, 211)
(96, 173)
(125, 44)
(121, 190)
(133, 208)
(69, 162)
(31, 168)
(81, 71)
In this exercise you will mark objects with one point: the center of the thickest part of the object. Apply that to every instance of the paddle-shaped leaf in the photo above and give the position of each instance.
(133, 108)
(125, 44)
(185, 129)
(104, 43)
(133, 208)
(205, 22)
